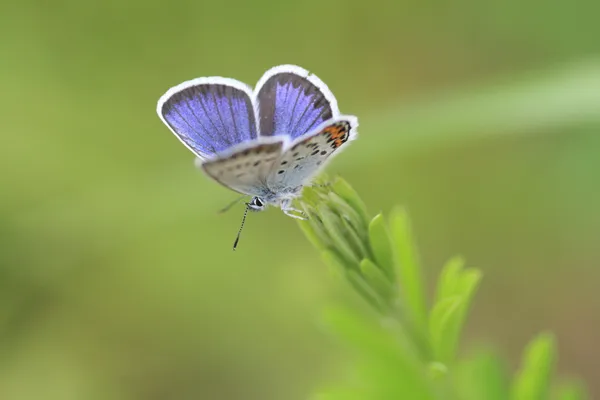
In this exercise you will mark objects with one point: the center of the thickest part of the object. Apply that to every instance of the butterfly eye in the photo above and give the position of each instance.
(256, 204)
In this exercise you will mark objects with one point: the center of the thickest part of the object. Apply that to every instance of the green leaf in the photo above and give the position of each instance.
(314, 234)
(467, 285)
(346, 192)
(408, 270)
(442, 319)
(387, 370)
(367, 291)
(310, 197)
(364, 335)
(345, 209)
(354, 240)
(532, 381)
(317, 229)
(376, 279)
(380, 242)
(361, 286)
(454, 283)
(335, 231)
(482, 376)
(448, 280)
(334, 262)
(437, 370)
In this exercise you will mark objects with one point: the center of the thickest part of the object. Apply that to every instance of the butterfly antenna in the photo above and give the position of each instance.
(228, 206)
(237, 239)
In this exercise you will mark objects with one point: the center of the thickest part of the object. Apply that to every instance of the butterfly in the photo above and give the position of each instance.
(267, 143)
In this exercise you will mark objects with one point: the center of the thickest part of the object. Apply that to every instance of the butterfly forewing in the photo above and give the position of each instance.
(209, 115)
(310, 153)
(246, 169)
(292, 102)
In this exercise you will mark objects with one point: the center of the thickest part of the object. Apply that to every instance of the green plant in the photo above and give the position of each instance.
(406, 349)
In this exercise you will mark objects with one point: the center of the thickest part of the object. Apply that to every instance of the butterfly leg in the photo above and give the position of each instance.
(233, 203)
(326, 183)
(295, 213)
(292, 212)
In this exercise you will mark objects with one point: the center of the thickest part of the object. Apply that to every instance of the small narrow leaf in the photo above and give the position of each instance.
(453, 282)
(442, 318)
(314, 234)
(532, 381)
(448, 280)
(408, 270)
(317, 228)
(465, 289)
(343, 208)
(376, 279)
(354, 240)
(437, 370)
(310, 197)
(334, 262)
(336, 234)
(482, 376)
(346, 192)
(379, 239)
(366, 291)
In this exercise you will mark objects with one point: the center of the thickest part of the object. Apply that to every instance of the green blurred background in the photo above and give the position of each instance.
(117, 279)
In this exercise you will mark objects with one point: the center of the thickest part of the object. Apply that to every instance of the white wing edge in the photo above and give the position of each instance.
(210, 80)
(303, 73)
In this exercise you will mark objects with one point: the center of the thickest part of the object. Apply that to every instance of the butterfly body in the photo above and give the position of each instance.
(267, 143)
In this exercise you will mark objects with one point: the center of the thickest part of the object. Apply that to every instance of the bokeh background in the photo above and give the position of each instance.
(117, 279)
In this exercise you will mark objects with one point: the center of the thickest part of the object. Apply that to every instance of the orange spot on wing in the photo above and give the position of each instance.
(337, 133)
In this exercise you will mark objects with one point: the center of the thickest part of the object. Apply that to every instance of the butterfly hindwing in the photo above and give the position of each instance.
(290, 101)
(245, 169)
(305, 157)
(209, 115)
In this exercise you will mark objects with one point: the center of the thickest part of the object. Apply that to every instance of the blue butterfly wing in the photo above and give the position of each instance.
(209, 115)
(291, 101)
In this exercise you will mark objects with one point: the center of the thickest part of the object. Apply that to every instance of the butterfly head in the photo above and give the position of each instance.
(256, 204)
